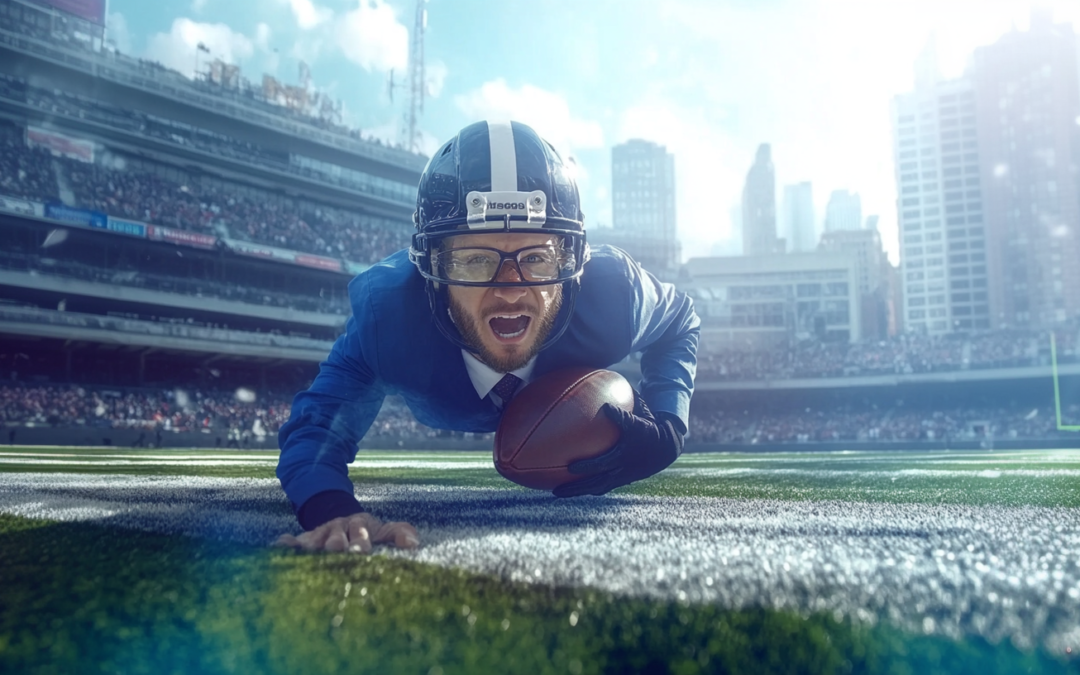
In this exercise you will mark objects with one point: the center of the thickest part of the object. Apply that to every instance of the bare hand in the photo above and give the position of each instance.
(356, 533)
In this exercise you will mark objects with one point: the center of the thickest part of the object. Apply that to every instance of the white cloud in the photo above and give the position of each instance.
(177, 48)
(116, 29)
(372, 37)
(545, 111)
(308, 15)
(263, 34)
(270, 58)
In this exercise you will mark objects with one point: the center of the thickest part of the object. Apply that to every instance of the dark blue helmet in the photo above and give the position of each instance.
(497, 178)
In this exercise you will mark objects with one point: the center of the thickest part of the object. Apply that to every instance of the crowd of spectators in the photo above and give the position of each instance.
(168, 410)
(25, 172)
(24, 261)
(245, 415)
(209, 206)
(869, 424)
(240, 414)
(900, 355)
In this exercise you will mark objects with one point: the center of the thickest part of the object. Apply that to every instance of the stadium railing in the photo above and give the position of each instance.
(108, 323)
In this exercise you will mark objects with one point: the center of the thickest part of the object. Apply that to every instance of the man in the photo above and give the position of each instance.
(497, 289)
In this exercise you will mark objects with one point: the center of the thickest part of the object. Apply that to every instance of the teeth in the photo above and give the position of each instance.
(508, 316)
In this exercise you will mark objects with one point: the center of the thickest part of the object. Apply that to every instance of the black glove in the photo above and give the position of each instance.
(646, 446)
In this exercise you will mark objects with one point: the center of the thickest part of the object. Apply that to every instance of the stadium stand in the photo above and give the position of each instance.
(761, 426)
(58, 104)
(214, 207)
(51, 36)
(248, 192)
(192, 409)
(134, 277)
(901, 355)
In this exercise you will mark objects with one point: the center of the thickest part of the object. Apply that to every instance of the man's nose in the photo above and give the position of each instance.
(508, 274)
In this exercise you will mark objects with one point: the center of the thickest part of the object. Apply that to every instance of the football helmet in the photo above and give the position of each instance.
(498, 178)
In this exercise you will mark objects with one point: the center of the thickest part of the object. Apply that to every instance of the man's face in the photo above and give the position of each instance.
(505, 325)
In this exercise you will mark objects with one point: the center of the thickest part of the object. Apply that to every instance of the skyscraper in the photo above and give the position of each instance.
(797, 217)
(871, 275)
(844, 211)
(643, 204)
(937, 174)
(1028, 100)
(759, 206)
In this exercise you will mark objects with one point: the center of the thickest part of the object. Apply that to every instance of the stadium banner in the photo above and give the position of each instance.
(60, 144)
(181, 237)
(89, 10)
(131, 228)
(67, 214)
(283, 255)
(318, 262)
(260, 251)
(21, 207)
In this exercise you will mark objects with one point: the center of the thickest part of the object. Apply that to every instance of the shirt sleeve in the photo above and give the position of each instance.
(327, 422)
(666, 331)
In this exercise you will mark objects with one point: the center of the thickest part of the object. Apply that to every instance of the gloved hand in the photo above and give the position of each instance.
(647, 445)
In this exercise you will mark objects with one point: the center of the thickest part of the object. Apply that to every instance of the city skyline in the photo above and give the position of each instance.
(986, 170)
(675, 74)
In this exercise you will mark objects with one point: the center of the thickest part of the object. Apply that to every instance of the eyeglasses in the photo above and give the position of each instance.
(482, 265)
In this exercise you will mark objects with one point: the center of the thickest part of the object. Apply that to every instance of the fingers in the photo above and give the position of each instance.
(598, 464)
(359, 536)
(402, 535)
(287, 541)
(620, 417)
(355, 534)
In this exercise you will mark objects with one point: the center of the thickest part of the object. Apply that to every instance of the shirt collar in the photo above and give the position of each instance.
(484, 378)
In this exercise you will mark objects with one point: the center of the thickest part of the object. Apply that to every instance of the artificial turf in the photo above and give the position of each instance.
(88, 598)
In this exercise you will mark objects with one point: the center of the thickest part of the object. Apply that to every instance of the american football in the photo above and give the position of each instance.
(556, 420)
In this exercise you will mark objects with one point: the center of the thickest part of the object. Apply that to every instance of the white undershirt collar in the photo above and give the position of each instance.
(484, 378)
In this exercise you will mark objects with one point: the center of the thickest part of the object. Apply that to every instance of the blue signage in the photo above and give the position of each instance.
(128, 227)
(77, 216)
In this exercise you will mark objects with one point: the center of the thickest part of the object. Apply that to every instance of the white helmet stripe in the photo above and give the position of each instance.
(504, 176)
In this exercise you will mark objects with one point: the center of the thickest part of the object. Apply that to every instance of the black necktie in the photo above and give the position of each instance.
(506, 387)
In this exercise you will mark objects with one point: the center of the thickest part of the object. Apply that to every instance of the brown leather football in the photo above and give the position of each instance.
(554, 421)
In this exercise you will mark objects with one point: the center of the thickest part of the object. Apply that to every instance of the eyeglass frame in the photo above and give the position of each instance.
(512, 256)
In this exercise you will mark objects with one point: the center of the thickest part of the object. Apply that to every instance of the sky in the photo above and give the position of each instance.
(709, 79)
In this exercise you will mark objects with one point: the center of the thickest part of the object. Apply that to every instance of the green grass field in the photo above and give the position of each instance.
(86, 597)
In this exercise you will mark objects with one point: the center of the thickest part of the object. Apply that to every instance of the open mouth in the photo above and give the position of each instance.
(509, 327)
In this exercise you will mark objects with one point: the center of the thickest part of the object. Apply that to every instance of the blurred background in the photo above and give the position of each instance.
(876, 206)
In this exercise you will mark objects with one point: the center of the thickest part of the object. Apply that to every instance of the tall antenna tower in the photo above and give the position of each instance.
(417, 80)
(417, 85)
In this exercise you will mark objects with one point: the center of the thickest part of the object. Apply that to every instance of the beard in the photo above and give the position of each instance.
(516, 356)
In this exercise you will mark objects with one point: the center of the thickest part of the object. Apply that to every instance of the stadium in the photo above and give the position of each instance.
(175, 262)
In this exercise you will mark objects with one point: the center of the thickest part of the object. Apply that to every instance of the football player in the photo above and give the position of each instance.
(498, 288)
